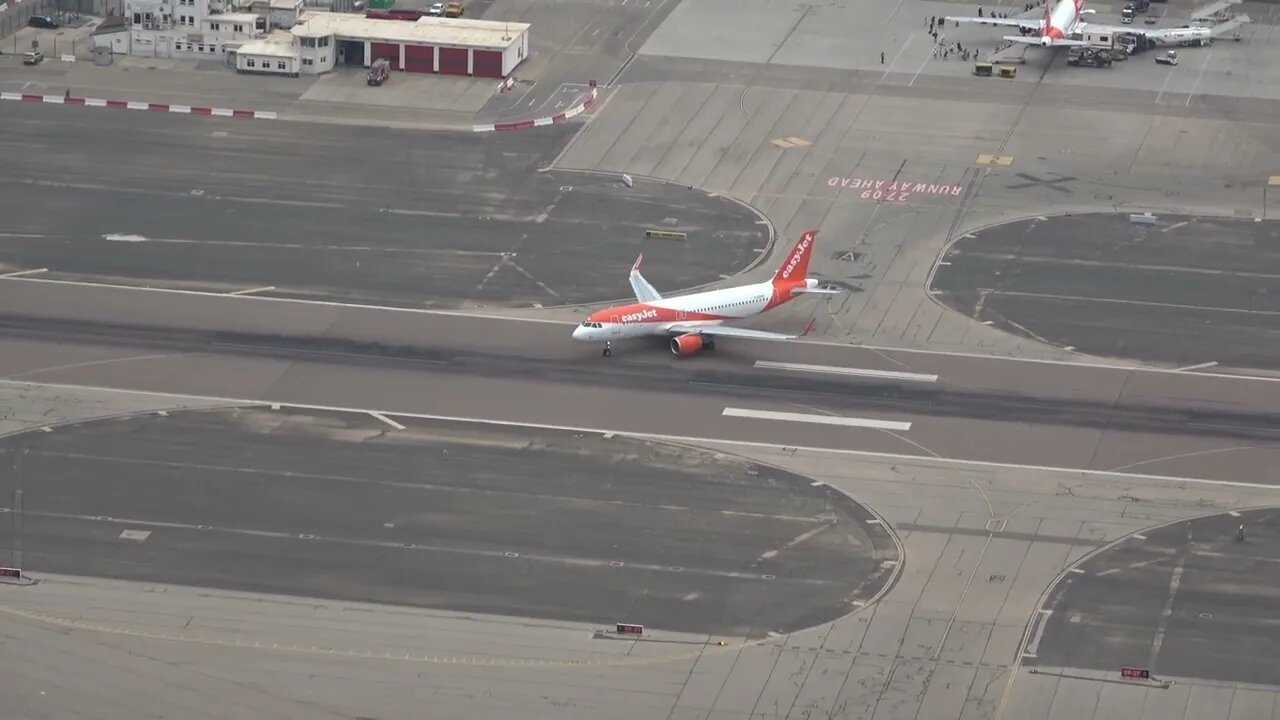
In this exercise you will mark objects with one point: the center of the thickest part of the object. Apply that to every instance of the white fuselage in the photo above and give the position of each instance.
(705, 308)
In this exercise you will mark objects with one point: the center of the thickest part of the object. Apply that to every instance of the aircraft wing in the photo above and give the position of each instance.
(1037, 41)
(729, 332)
(645, 292)
(816, 291)
(1026, 23)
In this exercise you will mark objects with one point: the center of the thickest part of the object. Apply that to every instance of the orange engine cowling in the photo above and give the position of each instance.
(686, 344)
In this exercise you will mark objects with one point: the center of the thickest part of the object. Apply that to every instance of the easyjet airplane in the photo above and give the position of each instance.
(693, 322)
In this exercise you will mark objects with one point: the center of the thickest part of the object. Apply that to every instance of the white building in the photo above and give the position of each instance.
(276, 54)
(212, 29)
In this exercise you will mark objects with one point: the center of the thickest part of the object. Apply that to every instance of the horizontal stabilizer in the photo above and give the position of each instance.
(816, 291)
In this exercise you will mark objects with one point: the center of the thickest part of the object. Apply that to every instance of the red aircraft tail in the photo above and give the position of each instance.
(796, 264)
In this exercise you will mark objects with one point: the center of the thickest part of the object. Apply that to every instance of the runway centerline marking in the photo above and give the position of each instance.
(960, 462)
(836, 370)
(817, 419)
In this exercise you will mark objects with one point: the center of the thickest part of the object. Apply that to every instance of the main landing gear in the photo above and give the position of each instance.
(608, 349)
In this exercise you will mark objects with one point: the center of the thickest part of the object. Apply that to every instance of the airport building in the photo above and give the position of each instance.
(279, 37)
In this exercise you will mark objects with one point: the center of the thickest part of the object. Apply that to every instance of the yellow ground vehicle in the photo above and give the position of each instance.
(454, 9)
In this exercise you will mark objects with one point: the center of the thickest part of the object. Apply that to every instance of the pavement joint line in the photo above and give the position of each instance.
(137, 105)
(571, 323)
(235, 642)
(245, 402)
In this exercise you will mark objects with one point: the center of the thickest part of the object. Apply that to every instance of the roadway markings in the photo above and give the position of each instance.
(23, 273)
(787, 143)
(251, 291)
(859, 372)
(379, 416)
(986, 159)
(817, 419)
(135, 535)
(1201, 366)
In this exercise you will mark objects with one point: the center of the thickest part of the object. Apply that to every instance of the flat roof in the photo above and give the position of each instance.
(232, 17)
(426, 31)
(278, 44)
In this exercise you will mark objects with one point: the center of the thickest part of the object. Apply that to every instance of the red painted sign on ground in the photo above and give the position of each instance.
(893, 190)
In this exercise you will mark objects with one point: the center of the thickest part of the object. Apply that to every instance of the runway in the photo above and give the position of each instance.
(1186, 290)
(1218, 428)
(476, 519)
(372, 215)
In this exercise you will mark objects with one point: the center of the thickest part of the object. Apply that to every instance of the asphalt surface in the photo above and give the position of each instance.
(367, 215)
(1188, 600)
(468, 518)
(968, 408)
(1186, 291)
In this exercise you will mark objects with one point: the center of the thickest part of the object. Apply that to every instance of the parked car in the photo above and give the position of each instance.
(43, 21)
(436, 10)
(32, 57)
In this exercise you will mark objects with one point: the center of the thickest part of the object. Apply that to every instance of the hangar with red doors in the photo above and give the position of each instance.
(448, 46)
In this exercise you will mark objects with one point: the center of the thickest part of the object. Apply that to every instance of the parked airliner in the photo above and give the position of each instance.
(694, 321)
(1062, 20)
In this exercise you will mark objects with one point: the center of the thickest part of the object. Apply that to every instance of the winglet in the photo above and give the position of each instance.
(638, 259)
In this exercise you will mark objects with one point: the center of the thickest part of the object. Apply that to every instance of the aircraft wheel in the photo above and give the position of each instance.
(709, 345)
(608, 352)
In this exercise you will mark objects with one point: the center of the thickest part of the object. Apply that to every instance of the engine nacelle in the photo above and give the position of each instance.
(686, 344)
(1046, 41)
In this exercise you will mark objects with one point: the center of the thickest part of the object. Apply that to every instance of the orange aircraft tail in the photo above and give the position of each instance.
(796, 264)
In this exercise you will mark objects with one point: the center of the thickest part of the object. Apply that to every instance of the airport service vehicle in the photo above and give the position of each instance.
(453, 10)
(693, 322)
(1089, 57)
(1169, 58)
(379, 71)
(32, 57)
(1062, 21)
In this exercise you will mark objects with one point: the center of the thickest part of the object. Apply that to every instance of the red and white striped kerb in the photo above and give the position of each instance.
(540, 122)
(134, 105)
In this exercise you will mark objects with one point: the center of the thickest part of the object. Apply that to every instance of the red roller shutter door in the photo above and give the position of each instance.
(487, 63)
(419, 58)
(390, 51)
(453, 61)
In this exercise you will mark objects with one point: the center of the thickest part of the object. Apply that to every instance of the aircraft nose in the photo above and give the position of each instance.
(579, 333)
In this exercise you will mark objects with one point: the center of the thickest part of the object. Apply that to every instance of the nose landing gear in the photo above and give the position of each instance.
(608, 349)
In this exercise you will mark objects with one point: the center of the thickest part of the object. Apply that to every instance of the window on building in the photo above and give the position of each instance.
(137, 18)
(249, 62)
(213, 27)
(239, 28)
(306, 61)
(201, 48)
(280, 65)
(324, 41)
(308, 42)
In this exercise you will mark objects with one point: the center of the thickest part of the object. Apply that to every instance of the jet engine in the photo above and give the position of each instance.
(686, 344)
(1046, 41)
